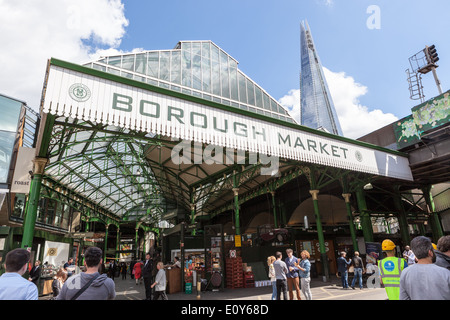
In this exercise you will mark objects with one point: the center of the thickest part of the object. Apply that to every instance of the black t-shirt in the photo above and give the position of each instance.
(357, 262)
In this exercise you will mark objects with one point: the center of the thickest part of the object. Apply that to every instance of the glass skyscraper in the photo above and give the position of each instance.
(316, 105)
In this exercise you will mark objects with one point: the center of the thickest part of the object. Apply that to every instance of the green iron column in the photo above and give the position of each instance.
(351, 224)
(106, 243)
(436, 225)
(275, 222)
(33, 203)
(194, 230)
(117, 242)
(236, 205)
(366, 223)
(136, 241)
(323, 253)
(236, 211)
(402, 221)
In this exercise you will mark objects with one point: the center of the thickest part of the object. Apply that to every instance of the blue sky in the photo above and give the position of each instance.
(264, 37)
(366, 67)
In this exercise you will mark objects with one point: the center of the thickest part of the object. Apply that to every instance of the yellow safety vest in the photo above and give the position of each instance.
(390, 270)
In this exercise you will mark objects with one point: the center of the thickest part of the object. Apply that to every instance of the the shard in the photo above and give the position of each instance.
(317, 108)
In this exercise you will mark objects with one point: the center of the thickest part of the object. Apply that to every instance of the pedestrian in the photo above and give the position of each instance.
(147, 275)
(443, 252)
(160, 283)
(342, 264)
(111, 270)
(123, 270)
(12, 285)
(272, 276)
(390, 269)
(68, 267)
(424, 280)
(133, 262)
(409, 256)
(89, 285)
(137, 269)
(358, 267)
(35, 273)
(293, 279)
(281, 271)
(58, 282)
(304, 272)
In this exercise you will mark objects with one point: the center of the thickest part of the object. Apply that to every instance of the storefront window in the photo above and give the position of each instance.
(8, 128)
(19, 205)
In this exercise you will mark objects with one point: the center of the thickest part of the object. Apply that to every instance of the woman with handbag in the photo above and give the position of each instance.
(58, 282)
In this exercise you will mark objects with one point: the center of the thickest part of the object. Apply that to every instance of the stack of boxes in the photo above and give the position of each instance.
(235, 276)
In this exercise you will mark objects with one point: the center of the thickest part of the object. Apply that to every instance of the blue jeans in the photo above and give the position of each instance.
(357, 275)
(344, 278)
(274, 290)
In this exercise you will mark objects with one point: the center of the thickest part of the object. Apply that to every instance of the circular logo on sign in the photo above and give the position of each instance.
(358, 156)
(389, 266)
(79, 92)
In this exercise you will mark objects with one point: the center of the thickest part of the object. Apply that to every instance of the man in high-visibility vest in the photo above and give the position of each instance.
(390, 269)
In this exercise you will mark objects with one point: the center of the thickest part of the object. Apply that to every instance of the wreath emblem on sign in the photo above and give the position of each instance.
(52, 251)
(358, 156)
(79, 92)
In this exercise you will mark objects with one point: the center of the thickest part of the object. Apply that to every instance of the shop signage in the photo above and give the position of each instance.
(126, 104)
(24, 165)
(80, 235)
(237, 241)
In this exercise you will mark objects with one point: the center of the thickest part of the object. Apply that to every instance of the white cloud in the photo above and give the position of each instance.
(356, 120)
(33, 31)
(291, 102)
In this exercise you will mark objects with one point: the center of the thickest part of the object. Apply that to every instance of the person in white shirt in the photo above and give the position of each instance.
(409, 256)
(160, 283)
(12, 285)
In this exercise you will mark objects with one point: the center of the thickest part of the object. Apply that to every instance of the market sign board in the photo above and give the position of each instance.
(90, 95)
(24, 165)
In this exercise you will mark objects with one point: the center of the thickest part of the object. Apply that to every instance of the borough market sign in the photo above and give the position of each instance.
(91, 95)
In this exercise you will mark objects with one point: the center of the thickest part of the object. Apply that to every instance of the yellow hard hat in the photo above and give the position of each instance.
(434, 246)
(387, 245)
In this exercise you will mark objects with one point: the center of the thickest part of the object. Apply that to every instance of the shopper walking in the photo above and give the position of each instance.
(272, 276)
(133, 262)
(424, 280)
(138, 272)
(160, 283)
(89, 285)
(293, 279)
(58, 282)
(147, 275)
(358, 267)
(304, 272)
(123, 270)
(281, 271)
(390, 269)
(12, 285)
(443, 252)
(409, 256)
(342, 265)
(35, 273)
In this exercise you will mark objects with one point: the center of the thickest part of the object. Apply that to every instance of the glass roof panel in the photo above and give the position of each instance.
(201, 68)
